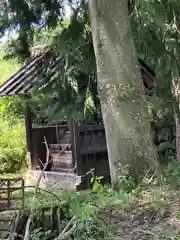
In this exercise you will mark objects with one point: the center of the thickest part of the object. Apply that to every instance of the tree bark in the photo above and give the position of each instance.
(177, 122)
(176, 104)
(123, 102)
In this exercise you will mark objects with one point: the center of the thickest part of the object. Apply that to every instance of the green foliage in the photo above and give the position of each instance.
(173, 172)
(84, 206)
(178, 214)
(73, 90)
(12, 134)
(96, 215)
(11, 108)
(156, 33)
(127, 180)
(7, 68)
(155, 27)
(92, 229)
(12, 147)
(36, 235)
(27, 17)
(95, 181)
(46, 36)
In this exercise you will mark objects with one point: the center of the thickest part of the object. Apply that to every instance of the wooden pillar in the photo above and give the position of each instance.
(75, 144)
(28, 125)
(71, 129)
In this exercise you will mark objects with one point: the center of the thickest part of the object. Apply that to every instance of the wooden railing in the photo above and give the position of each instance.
(11, 193)
(11, 200)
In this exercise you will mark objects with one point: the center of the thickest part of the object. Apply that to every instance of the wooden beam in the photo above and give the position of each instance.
(73, 147)
(28, 125)
(76, 147)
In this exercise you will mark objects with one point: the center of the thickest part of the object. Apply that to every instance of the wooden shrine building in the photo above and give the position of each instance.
(72, 146)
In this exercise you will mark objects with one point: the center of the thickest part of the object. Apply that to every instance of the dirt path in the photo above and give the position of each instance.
(149, 218)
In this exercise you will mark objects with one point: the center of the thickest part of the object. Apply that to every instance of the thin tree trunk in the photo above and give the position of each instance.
(121, 89)
(82, 88)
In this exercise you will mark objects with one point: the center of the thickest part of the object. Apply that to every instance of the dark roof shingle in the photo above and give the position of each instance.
(28, 77)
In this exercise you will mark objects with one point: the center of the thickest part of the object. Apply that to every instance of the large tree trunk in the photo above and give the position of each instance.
(175, 92)
(121, 89)
(177, 122)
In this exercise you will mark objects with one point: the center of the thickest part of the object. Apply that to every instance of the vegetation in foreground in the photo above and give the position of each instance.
(147, 210)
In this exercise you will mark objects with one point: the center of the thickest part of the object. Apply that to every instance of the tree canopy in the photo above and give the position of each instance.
(155, 27)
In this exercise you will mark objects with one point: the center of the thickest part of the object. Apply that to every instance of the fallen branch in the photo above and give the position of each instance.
(27, 229)
(14, 236)
(71, 170)
(44, 167)
(145, 232)
(66, 231)
(26, 235)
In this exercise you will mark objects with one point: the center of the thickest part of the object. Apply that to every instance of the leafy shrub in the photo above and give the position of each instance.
(95, 181)
(173, 172)
(127, 180)
(12, 109)
(12, 137)
(12, 146)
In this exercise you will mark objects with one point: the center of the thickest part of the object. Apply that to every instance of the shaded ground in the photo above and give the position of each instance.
(154, 216)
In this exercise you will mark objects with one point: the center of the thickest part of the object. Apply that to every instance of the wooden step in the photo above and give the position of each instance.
(61, 165)
(64, 170)
(62, 160)
(60, 147)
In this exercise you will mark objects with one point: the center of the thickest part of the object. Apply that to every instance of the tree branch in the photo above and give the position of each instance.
(66, 233)
(27, 229)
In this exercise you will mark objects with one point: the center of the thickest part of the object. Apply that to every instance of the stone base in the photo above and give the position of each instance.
(53, 179)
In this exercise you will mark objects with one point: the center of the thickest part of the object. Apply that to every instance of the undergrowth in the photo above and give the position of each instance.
(12, 128)
(172, 173)
(12, 147)
(143, 211)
